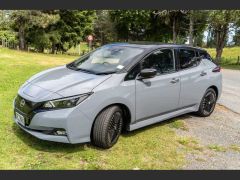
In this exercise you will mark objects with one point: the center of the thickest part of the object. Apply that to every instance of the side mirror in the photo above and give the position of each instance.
(148, 73)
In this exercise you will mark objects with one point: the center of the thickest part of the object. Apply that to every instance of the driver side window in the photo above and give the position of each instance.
(161, 60)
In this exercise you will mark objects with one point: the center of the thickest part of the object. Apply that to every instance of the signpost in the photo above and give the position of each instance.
(90, 39)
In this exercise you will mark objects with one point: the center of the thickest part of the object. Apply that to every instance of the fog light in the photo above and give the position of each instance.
(60, 132)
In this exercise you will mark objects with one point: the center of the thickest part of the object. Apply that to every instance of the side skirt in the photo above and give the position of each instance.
(162, 117)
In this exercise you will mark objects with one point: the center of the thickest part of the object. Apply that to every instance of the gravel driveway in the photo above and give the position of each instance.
(217, 136)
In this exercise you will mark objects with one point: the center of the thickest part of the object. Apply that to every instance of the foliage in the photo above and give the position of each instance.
(175, 20)
(220, 22)
(58, 29)
(61, 30)
(104, 28)
(26, 20)
(131, 24)
(9, 36)
(72, 28)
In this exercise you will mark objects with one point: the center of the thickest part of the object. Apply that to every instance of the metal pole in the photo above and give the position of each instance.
(79, 49)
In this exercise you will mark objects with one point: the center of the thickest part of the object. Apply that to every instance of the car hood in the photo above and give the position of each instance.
(60, 82)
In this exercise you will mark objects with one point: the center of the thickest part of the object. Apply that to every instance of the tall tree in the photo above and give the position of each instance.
(71, 29)
(220, 21)
(197, 25)
(172, 18)
(131, 24)
(104, 30)
(23, 20)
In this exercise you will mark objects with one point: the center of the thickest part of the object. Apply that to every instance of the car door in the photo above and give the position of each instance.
(160, 94)
(193, 77)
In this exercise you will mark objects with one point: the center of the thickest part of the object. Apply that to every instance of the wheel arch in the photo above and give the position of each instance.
(126, 115)
(215, 89)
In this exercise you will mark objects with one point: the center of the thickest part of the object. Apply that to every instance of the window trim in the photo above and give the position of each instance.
(147, 55)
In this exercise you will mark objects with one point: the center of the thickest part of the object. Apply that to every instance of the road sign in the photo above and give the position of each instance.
(90, 38)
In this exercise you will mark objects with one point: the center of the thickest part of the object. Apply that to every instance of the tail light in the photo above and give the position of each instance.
(217, 69)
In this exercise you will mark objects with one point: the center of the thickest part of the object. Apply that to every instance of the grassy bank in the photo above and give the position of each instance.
(229, 57)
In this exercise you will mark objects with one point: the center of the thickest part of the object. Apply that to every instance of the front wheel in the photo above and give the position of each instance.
(107, 127)
(208, 103)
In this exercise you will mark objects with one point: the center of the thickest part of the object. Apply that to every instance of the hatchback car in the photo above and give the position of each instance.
(120, 86)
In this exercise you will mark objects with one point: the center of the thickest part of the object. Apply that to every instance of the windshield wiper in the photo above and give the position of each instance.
(85, 70)
(106, 73)
(71, 66)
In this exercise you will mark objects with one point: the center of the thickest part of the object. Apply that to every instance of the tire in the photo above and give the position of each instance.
(107, 127)
(208, 103)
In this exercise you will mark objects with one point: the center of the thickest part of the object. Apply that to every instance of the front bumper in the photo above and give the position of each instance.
(38, 134)
(72, 120)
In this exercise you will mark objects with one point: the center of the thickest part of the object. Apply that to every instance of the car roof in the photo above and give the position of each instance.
(153, 45)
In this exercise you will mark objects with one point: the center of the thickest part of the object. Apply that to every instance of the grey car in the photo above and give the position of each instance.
(117, 87)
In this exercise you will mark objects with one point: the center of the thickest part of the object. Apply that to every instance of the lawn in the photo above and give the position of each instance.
(229, 57)
(154, 147)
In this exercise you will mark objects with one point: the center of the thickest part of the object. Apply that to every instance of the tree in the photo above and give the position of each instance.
(220, 22)
(236, 37)
(23, 20)
(131, 24)
(72, 28)
(173, 18)
(104, 30)
(158, 30)
(197, 25)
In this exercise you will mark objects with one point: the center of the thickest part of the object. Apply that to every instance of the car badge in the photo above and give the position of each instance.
(22, 103)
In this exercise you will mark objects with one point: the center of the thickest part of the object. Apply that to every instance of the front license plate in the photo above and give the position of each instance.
(20, 119)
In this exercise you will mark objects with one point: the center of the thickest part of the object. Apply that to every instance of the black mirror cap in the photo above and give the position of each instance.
(148, 73)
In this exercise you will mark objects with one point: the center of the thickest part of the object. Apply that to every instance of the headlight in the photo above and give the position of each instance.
(65, 102)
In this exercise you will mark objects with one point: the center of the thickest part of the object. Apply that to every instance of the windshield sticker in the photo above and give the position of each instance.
(120, 66)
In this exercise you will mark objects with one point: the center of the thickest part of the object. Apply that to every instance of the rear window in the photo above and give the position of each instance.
(205, 55)
(186, 58)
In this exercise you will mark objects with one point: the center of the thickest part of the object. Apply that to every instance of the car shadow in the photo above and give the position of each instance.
(52, 147)
(162, 123)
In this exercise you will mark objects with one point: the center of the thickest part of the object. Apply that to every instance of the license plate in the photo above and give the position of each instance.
(20, 119)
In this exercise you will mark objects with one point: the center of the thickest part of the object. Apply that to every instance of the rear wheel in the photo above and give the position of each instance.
(208, 103)
(107, 127)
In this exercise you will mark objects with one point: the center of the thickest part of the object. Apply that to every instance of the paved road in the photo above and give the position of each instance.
(230, 97)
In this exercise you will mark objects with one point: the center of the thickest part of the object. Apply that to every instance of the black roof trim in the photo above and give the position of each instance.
(150, 45)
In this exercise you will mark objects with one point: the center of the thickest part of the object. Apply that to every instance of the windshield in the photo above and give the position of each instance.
(106, 60)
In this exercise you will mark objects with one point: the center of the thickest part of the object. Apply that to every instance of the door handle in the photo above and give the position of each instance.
(174, 80)
(203, 73)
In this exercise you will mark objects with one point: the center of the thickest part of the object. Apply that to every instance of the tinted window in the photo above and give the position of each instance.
(161, 60)
(186, 58)
(205, 55)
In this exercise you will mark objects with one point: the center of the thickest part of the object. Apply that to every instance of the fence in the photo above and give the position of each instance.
(8, 44)
(230, 61)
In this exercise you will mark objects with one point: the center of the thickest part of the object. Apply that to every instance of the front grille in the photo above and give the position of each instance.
(26, 108)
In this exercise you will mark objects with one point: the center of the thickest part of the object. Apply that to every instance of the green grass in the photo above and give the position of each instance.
(229, 57)
(190, 144)
(154, 147)
(235, 147)
(217, 148)
(178, 124)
